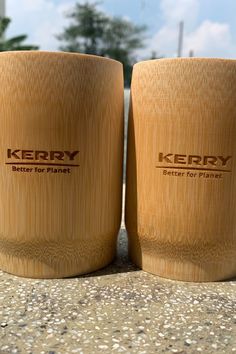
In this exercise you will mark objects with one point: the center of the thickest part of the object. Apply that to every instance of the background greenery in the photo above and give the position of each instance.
(90, 31)
(15, 43)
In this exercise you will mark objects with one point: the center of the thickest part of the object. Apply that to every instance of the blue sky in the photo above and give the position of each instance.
(210, 26)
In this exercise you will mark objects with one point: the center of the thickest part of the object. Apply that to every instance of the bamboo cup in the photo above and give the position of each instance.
(61, 149)
(181, 169)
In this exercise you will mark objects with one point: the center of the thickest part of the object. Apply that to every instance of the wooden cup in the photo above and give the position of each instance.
(181, 169)
(61, 150)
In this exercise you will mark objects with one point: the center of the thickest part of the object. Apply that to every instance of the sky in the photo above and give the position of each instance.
(209, 25)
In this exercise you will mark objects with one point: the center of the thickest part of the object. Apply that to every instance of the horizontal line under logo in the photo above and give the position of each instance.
(193, 168)
(40, 164)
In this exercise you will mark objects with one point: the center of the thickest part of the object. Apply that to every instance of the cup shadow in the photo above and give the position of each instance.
(121, 263)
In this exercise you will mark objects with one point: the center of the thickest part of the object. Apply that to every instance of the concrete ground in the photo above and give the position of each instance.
(119, 309)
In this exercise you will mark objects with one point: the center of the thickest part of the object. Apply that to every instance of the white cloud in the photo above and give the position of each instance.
(41, 20)
(207, 39)
(174, 11)
(211, 39)
(164, 42)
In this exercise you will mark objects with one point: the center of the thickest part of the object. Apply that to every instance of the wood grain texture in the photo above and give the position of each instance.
(181, 222)
(58, 224)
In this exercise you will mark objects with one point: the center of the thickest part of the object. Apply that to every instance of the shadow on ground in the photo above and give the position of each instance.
(121, 263)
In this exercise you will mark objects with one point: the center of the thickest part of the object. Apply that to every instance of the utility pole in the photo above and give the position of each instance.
(2, 13)
(143, 4)
(180, 40)
(2, 8)
(191, 53)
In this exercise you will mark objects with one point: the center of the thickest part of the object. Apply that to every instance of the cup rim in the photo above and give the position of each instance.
(58, 54)
(185, 59)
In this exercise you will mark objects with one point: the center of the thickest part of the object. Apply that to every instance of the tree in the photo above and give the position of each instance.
(14, 43)
(86, 31)
(93, 32)
(121, 39)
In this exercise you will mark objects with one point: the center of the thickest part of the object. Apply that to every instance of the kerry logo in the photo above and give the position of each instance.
(42, 157)
(194, 162)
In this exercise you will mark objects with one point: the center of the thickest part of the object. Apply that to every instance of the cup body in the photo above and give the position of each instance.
(61, 149)
(181, 177)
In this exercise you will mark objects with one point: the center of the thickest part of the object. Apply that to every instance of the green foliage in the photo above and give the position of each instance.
(121, 40)
(86, 31)
(93, 32)
(14, 43)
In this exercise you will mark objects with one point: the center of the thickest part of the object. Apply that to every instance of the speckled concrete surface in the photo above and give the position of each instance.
(119, 309)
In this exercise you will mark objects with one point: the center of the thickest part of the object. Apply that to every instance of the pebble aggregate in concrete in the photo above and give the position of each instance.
(119, 309)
